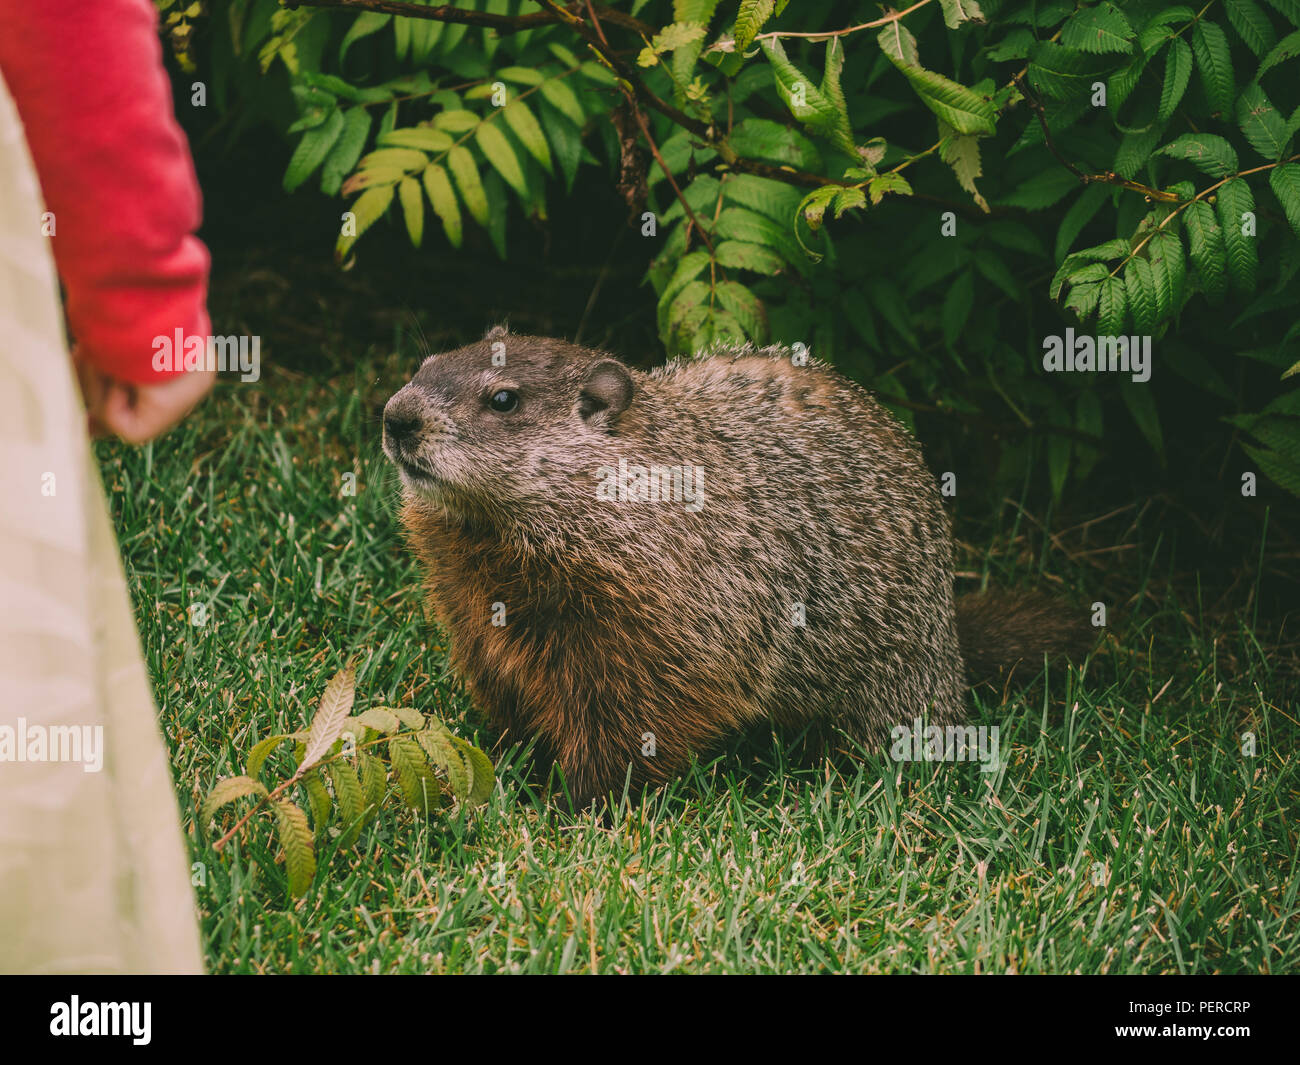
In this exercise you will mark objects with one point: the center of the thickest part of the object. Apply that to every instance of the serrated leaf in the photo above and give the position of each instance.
(834, 93)
(1285, 49)
(897, 42)
(1205, 247)
(416, 781)
(775, 199)
(955, 12)
(262, 749)
(403, 159)
(1169, 271)
(813, 206)
(1112, 302)
(351, 800)
(1158, 27)
(335, 706)
(1285, 182)
(1251, 24)
(877, 188)
(1210, 154)
(741, 255)
(1134, 150)
(295, 838)
(484, 773)
(1082, 299)
(346, 151)
(745, 306)
(496, 148)
(526, 127)
(374, 780)
(1178, 73)
(228, 790)
(366, 23)
(962, 153)
(318, 800)
(439, 745)
(751, 18)
(312, 150)
(1102, 28)
(562, 97)
(1234, 200)
(1260, 123)
(422, 138)
(443, 198)
(805, 101)
(465, 170)
(1062, 73)
(412, 201)
(1214, 63)
(456, 120)
(963, 109)
(739, 223)
(1139, 288)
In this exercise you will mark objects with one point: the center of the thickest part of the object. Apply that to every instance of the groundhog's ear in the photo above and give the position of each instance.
(606, 392)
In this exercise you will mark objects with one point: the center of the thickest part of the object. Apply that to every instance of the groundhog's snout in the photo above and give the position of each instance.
(403, 416)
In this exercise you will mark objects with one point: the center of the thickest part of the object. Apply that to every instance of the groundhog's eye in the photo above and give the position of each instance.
(504, 401)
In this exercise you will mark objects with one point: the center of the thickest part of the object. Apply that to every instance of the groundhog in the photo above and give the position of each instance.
(633, 566)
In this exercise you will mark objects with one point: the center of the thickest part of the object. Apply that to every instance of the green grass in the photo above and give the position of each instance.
(1125, 831)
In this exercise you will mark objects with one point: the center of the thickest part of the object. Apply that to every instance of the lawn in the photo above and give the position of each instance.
(1125, 830)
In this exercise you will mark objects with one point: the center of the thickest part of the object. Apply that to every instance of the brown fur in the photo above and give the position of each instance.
(626, 619)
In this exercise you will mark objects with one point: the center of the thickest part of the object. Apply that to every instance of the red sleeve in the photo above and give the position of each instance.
(115, 169)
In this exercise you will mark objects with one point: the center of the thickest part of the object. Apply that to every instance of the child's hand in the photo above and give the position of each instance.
(138, 413)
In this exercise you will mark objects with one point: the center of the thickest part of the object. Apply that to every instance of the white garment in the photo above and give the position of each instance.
(94, 876)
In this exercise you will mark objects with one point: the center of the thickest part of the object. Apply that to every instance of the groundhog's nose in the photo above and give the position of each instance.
(400, 421)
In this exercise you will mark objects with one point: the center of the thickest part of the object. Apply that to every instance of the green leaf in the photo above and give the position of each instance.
(366, 23)
(962, 153)
(351, 800)
(228, 790)
(745, 306)
(1178, 72)
(374, 781)
(1139, 288)
(1285, 182)
(1234, 200)
(877, 188)
(751, 18)
(422, 138)
(1158, 27)
(367, 209)
(741, 255)
(262, 749)
(442, 751)
(955, 12)
(465, 170)
(1214, 62)
(1062, 73)
(1287, 48)
(415, 780)
(438, 187)
(335, 706)
(1210, 154)
(1276, 468)
(425, 34)
(1169, 271)
(775, 199)
(412, 201)
(1083, 299)
(529, 131)
(805, 101)
(1205, 248)
(963, 109)
(346, 151)
(1251, 24)
(562, 97)
(295, 838)
(897, 42)
(1134, 150)
(395, 158)
(761, 138)
(1260, 123)
(483, 772)
(1289, 9)
(318, 799)
(501, 155)
(957, 305)
(456, 120)
(312, 150)
(1102, 28)
(738, 223)
(833, 92)
(1111, 304)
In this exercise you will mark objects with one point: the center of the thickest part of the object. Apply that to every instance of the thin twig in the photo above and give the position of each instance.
(451, 13)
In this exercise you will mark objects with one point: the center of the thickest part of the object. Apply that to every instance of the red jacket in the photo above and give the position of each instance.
(114, 167)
